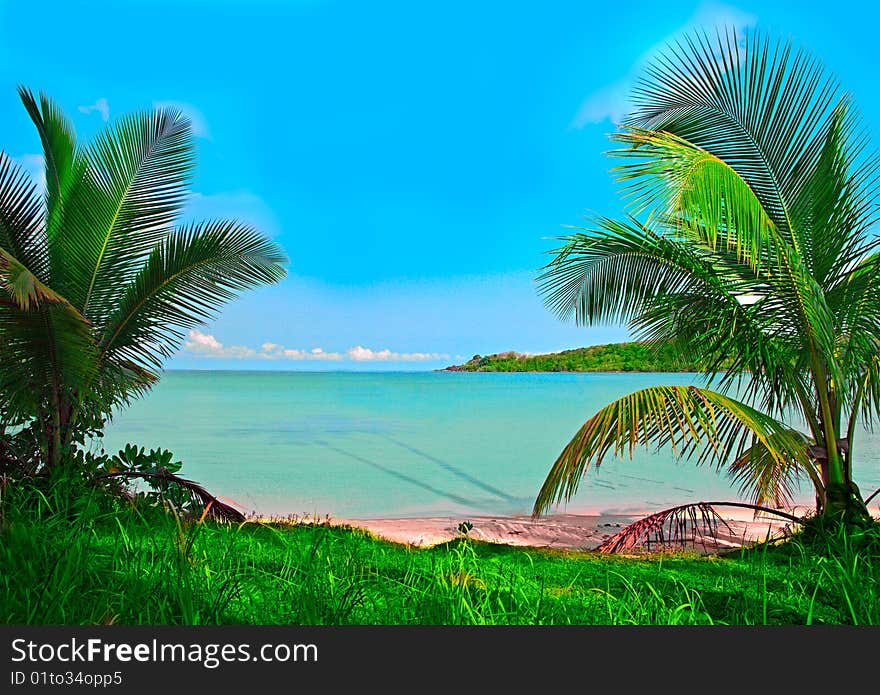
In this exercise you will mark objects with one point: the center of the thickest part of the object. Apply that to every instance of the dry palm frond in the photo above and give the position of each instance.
(10, 460)
(213, 507)
(692, 524)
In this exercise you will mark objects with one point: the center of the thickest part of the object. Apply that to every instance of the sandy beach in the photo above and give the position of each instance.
(579, 532)
(561, 531)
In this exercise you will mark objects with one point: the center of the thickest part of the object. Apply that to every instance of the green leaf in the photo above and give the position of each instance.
(59, 145)
(22, 228)
(184, 283)
(139, 169)
(692, 421)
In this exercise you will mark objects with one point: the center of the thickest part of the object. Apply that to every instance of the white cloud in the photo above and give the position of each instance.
(101, 106)
(196, 118)
(612, 101)
(202, 342)
(205, 345)
(362, 354)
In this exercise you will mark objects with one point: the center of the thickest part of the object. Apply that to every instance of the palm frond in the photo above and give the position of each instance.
(757, 106)
(707, 201)
(769, 477)
(796, 294)
(136, 186)
(45, 339)
(698, 194)
(185, 281)
(856, 301)
(614, 272)
(25, 289)
(837, 203)
(59, 145)
(687, 525)
(213, 507)
(673, 288)
(22, 227)
(691, 420)
(866, 401)
(46, 348)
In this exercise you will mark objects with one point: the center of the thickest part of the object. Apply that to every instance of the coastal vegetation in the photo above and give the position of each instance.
(613, 357)
(749, 247)
(82, 560)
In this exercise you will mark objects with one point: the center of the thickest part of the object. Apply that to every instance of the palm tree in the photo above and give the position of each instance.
(97, 284)
(748, 245)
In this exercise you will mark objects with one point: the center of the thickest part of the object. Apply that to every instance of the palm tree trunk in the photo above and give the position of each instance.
(832, 471)
(54, 434)
(842, 499)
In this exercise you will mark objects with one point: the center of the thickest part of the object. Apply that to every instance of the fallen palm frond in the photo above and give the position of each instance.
(213, 507)
(10, 460)
(682, 526)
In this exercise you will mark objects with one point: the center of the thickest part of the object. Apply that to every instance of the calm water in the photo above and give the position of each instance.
(409, 444)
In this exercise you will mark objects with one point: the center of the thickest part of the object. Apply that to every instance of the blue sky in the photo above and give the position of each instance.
(414, 160)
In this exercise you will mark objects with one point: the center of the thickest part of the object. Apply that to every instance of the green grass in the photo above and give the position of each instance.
(615, 357)
(76, 561)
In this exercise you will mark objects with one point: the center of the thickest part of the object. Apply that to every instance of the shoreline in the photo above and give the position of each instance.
(559, 531)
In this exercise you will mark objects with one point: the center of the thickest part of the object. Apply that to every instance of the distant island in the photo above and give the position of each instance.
(614, 357)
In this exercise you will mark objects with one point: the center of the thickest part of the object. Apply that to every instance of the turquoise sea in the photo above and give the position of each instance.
(367, 445)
